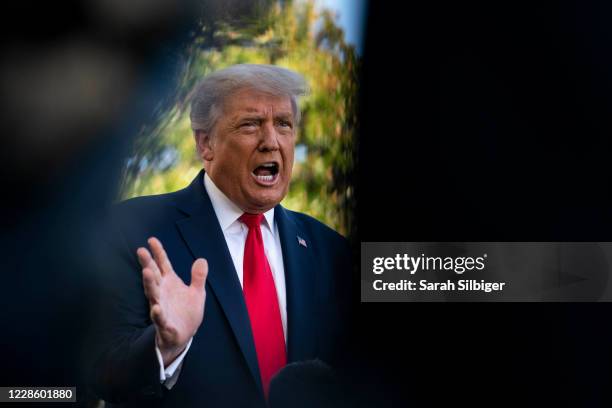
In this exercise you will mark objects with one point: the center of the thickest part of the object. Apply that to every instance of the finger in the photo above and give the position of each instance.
(150, 284)
(160, 255)
(158, 317)
(147, 261)
(199, 272)
(144, 257)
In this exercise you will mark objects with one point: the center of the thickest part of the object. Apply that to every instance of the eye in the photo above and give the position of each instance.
(248, 125)
(284, 123)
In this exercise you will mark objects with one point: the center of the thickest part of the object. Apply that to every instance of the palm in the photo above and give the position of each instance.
(183, 307)
(176, 309)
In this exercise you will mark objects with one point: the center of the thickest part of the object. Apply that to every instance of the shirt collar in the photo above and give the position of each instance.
(227, 212)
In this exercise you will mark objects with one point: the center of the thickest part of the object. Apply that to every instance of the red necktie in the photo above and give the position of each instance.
(262, 303)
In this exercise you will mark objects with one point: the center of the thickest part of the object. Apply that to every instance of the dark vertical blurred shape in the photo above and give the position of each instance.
(487, 121)
(77, 80)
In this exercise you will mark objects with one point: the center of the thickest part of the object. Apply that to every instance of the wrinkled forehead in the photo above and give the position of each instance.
(249, 100)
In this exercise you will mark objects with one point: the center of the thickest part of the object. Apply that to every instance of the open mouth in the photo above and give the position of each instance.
(266, 173)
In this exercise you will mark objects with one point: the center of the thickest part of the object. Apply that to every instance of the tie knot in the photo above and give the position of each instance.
(251, 220)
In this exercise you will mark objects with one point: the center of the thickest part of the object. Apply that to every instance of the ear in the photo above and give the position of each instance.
(204, 145)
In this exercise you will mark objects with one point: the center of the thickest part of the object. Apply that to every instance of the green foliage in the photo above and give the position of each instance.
(164, 155)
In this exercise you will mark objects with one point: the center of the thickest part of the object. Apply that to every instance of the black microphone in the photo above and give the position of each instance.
(307, 384)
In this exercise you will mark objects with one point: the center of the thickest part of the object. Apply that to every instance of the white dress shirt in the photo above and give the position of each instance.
(235, 234)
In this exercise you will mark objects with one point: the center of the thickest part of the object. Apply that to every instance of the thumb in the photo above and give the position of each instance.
(199, 272)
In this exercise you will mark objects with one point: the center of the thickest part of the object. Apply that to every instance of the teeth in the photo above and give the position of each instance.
(265, 178)
(268, 165)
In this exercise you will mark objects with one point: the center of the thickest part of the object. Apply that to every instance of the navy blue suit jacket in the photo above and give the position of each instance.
(220, 368)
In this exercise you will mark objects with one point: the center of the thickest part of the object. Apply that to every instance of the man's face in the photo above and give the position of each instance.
(249, 154)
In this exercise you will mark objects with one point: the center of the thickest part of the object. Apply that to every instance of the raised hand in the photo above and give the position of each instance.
(176, 309)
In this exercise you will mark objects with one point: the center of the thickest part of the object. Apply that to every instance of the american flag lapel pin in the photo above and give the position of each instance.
(302, 241)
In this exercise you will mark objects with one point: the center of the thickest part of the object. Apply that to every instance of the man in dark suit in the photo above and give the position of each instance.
(268, 286)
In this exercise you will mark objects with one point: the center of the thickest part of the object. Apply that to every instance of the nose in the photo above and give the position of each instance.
(269, 137)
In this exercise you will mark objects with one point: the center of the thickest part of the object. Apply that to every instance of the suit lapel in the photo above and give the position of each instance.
(300, 283)
(202, 233)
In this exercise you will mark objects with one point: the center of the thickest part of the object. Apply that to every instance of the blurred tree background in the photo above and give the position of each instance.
(292, 34)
